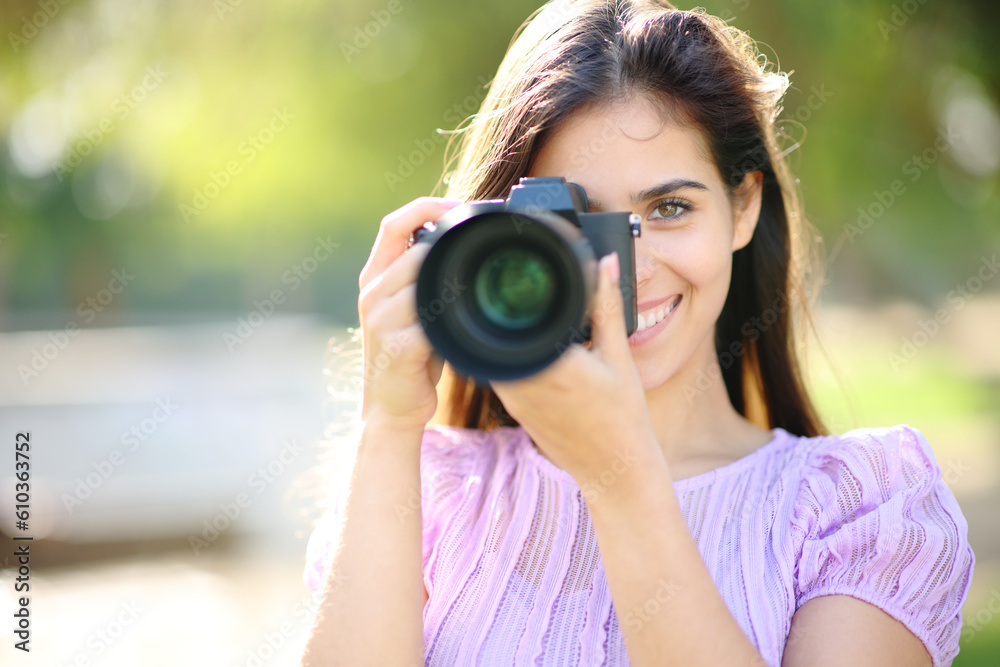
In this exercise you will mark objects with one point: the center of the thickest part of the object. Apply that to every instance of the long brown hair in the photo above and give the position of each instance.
(572, 54)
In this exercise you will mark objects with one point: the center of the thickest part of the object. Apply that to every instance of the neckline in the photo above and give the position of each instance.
(778, 435)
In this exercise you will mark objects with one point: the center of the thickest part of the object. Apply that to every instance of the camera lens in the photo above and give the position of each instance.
(500, 294)
(514, 288)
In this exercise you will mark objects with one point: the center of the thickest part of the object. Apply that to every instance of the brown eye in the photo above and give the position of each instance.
(669, 209)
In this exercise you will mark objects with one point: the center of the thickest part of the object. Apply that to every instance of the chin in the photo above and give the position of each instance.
(653, 375)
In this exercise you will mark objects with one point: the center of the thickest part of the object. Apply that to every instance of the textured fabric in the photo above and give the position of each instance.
(514, 574)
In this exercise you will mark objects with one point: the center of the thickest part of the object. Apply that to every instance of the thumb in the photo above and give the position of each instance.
(608, 319)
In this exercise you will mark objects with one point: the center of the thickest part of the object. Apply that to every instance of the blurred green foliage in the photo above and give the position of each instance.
(211, 147)
(205, 146)
(980, 649)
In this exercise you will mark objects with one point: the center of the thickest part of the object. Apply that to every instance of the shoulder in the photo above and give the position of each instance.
(877, 522)
(860, 444)
(843, 475)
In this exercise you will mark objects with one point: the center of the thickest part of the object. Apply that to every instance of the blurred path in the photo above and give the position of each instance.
(239, 600)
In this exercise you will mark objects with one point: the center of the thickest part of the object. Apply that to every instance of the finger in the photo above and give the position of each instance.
(400, 273)
(408, 347)
(435, 368)
(420, 348)
(608, 320)
(395, 231)
(393, 312)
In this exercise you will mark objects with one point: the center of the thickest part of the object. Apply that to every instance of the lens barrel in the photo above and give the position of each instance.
(501, 293)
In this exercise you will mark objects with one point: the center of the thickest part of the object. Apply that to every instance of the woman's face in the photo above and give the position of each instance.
(627, 157)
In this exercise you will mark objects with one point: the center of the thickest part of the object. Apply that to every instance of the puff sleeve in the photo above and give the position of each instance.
(445, 460)
(879, 524)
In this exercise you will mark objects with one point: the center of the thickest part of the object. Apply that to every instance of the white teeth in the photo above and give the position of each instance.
(643, 322)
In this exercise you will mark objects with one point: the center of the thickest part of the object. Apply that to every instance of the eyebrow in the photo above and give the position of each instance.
(655, 191)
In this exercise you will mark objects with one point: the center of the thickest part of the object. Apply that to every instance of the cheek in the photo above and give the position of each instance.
(700, 258)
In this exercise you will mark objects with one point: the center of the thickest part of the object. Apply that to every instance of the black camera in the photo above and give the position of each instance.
(509, 284)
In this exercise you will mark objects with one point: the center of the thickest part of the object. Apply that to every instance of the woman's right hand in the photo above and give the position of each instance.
(400, 369)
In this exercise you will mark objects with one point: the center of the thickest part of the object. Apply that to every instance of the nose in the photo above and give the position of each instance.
(644, 262)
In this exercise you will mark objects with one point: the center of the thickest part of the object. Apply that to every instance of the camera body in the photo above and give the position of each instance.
(509, 284)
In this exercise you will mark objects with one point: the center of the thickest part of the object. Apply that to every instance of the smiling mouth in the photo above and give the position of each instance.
(651, 317)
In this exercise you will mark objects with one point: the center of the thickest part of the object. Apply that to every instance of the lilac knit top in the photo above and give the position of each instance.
(514, 574)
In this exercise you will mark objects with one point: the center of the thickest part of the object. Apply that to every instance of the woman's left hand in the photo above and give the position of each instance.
(587, 410)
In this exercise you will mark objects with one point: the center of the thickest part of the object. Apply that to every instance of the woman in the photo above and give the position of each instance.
(668, 497)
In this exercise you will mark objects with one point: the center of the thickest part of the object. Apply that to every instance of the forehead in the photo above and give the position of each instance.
(624, 146)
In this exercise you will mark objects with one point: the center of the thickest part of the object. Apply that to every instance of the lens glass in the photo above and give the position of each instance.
(515, 287)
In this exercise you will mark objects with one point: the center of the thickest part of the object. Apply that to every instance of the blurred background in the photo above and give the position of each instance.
(188, 191)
